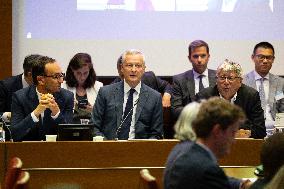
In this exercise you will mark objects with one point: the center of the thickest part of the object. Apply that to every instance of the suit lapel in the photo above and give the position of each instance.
(143, 96)
(211, 78)
(191, 85)
(250, 80)
(118, 99)
(272, 89)
(33, 98)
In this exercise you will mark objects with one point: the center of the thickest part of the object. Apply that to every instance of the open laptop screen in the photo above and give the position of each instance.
(75, 132)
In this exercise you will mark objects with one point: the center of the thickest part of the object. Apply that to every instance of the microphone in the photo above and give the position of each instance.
(124, 119)
(5, 126)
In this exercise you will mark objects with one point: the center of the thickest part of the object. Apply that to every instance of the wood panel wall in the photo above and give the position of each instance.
(5, 38)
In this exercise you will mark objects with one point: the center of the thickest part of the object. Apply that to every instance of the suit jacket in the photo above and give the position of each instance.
(7, 88)
(151, 80)
(183, 90)
(248, 99)
(25, 101)
(108, 110)
(194, 167)
(276, 84)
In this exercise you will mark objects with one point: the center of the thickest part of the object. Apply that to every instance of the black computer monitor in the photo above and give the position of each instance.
(75, 132)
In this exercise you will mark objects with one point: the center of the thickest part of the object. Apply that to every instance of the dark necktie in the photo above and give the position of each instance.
(127, 117)
(201, 86)
(262, 95)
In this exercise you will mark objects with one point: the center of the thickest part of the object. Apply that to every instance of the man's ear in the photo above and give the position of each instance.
(217, 130)
(40, 80)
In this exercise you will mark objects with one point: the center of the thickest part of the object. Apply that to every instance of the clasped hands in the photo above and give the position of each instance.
(46, 101)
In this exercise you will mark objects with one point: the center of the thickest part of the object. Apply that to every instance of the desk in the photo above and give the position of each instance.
(116, 159)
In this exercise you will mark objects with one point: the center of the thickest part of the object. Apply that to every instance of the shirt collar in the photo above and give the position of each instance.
(196, 75)
(258, 77)
(232, 99)
(127, 87)
(24, 82)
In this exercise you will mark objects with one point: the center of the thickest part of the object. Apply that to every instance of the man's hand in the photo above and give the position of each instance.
(166, 100)
(242, 133)
(51, 104)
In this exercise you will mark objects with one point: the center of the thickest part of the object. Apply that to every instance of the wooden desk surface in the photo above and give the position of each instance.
(45, 156)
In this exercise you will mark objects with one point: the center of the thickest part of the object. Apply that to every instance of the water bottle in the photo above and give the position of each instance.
(2, 132)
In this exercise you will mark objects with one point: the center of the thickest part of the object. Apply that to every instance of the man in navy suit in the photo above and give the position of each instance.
(110, 113)
(150, 79)
(39, 108)
(195, 165)
(14, 83)
(187, 84)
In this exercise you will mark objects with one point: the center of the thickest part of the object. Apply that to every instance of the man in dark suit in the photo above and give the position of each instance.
(229, 86)
(150, 79)
(116, 116)
(14, 83)
(195, 165)
(187, 84)
(39, 108)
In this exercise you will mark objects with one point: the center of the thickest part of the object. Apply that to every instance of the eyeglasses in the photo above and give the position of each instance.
(137, 66)
(56, 76)
(262, 57)
(224, 78)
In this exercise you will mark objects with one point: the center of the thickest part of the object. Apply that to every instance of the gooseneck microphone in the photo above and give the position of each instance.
(124, 119)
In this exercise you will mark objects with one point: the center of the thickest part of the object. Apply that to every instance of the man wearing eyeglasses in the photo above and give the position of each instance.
(230, 87)
(39, 108)
(187, 84)
(129, 109)
(270, 86)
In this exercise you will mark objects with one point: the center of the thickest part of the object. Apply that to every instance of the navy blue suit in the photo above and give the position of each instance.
(108, 109)
(25, 101)
(191, 166)
(7, 88)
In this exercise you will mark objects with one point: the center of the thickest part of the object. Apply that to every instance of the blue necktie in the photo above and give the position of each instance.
(127, 117)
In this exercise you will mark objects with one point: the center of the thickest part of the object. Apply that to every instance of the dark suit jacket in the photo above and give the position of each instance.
(183, 90)
(7, 88)
(248, 99)
(151, 80)
(25, 101)
(108, 110)
(193, 167)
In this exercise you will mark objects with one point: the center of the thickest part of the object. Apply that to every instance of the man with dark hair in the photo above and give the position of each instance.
(215, 126)
(150, 79)
(129, 109)
(14, 83)
(229, 86)
(39, 108)
(187, 84)
(271, 157)
(269, 86)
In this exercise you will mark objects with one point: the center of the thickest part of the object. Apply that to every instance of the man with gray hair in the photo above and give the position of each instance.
(229, 86)
(129, 109)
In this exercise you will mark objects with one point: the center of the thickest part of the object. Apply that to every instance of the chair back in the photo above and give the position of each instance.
(23, 180)
(12, 173)
(147, 181)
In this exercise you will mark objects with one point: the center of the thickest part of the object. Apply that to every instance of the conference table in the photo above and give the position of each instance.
(108, 164)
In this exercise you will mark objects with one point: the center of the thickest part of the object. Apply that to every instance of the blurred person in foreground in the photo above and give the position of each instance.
(271, 158)
(229, 86)
(81, 80)
(39, 108)
(193, 163)
(129, 109)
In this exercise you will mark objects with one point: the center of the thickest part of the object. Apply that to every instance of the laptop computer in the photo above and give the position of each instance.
(75, 132)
